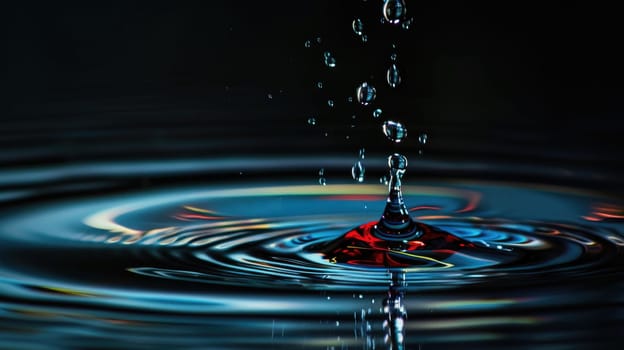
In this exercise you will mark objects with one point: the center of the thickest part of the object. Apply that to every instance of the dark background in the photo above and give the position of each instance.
(536, 83)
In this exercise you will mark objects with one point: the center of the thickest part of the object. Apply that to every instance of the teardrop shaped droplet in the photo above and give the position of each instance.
(329, 60)
(377, 113)
(365, 93)
(357, 172)
(330, 103)
(394, 11)
(393, 77)
(394, 131)
(358, 26)
(319, 85)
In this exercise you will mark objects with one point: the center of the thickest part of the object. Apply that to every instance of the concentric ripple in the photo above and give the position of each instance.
(272, 237)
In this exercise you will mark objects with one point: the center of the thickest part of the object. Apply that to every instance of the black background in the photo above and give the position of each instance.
(532, 82)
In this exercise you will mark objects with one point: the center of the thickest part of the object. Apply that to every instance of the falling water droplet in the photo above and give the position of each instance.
(312, 121)
(329, 60)
(407, 24)
(393, 57)
(307, 44)
(270, 96)
(321, 171)
(357, 171)
(422, 138)
(358, 26)
(349, 99)
(362, 153)
(330, 103)
(394, 11)
(318, 39)
(393, 77)
(377, 113)
(366, 93)
(319, 85)
(383, 180)
(364, 38)
(394, 131)
(322, 181)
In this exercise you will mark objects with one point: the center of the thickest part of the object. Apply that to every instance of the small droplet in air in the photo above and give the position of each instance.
(383, 180)
(319, 85)
(365, 93)
(357, 171)
(270, 96)
(377, 113)
(329, 60)
(358, 26)
(362, 153)
(364, 38)
(394, 131)
(321, 171)
(393, 77)
(312, 121)
(349, 99)
(407, 24)
(422, 138)
(330, 103)
(318, 39)
(393, 57)
(322, 181)
(307, 44)
(394, 11)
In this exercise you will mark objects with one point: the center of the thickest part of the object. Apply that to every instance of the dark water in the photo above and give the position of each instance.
(238, 264)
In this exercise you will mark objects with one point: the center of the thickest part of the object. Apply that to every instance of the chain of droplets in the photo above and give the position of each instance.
(394, 12)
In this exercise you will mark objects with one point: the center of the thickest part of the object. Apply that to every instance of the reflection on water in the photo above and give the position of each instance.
(242, 266)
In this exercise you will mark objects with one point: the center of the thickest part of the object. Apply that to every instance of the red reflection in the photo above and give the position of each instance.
(361, 246)
(605, 212)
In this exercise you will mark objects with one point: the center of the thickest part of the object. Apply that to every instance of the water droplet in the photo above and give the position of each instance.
(349, 99)
(312, 121)
(394, 131)
(319, 85)
(358, 26)
(329, 60)
(393, 57)
(383, 180)
(337, 323)
(406, 25)
(394, 11)
(377, 113)
(322, 181)
(321, 171)
(364, 38)
(330, 103)
(366, 93)
(360, 296)
(392, 76)
(422, 138)
(307, 44)
(362, 153)
(270, 96)
(357, 171)
(318, 39)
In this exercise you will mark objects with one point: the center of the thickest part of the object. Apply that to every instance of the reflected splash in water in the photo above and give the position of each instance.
(209, 263)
